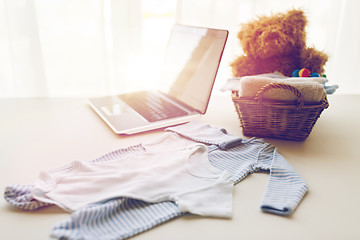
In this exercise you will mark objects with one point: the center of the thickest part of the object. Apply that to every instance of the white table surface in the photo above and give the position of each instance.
(45, 133)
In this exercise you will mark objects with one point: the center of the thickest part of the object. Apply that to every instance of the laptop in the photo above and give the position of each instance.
(186, 80)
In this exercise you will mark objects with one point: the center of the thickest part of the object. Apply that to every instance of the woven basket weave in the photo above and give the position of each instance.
(277, 119)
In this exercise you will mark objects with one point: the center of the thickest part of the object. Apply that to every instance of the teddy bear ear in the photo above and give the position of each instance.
(296, 17)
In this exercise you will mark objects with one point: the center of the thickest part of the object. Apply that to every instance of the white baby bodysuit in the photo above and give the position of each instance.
(167, 170)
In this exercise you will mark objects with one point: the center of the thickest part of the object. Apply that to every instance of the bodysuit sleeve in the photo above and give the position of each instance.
(285, 188)
(207, 134)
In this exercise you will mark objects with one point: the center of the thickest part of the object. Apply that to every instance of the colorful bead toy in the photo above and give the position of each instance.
(304, 72)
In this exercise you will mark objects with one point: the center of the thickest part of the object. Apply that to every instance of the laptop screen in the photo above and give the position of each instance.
(191, 62)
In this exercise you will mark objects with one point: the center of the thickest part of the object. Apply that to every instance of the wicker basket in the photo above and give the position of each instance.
(277, 119)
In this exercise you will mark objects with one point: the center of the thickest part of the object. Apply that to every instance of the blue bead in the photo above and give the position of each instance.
(296, 73)
(315, 75)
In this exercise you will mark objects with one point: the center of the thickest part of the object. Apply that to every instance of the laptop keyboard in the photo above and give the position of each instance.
(152, 107)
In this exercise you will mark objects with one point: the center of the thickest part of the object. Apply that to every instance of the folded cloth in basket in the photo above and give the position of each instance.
(312, 89)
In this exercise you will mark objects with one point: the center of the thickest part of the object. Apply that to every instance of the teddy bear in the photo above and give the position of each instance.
(277, 43)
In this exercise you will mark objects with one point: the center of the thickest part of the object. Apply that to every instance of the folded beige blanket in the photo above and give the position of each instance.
(312, 89)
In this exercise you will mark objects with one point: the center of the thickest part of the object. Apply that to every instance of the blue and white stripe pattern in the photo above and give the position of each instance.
(121, 218)
(285, 188)
(118, 218)
(20, 196)
(206, 134)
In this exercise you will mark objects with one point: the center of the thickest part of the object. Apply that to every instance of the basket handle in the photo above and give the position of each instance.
(299, 97)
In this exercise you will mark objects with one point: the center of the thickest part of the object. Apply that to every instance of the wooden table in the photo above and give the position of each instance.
(45, 133)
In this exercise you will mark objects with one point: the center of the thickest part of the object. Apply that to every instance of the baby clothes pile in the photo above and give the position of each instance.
(313, 89)
(191, 168)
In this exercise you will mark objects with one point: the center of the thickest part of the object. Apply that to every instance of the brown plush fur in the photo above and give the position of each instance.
(276, 43)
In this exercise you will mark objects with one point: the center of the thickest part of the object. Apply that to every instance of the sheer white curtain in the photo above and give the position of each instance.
(53, 48)
(81, 48)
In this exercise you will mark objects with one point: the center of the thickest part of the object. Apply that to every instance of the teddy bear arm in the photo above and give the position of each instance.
(314, 60)
(244, 66)
(284, 64)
